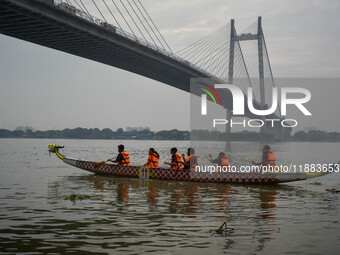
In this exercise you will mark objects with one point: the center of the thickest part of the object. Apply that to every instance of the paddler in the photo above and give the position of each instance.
(123, 157)
(267, 159)
(153, 158)
(175, 159)
(191, 161)
(222, 160)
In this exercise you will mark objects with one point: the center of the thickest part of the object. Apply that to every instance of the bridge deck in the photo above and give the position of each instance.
(40, 23)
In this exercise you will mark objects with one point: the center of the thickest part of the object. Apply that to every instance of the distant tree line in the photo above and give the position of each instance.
(95, 133)
(317, 135)
(106, 133)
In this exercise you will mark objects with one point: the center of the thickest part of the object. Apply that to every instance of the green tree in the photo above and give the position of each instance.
(120, 130)
(300, 136)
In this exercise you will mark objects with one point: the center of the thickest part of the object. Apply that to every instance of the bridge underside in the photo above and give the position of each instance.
(42, 24)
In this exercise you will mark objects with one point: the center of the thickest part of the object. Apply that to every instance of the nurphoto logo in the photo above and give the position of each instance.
(301, 97)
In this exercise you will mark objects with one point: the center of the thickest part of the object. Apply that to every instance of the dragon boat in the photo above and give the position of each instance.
(183, 174)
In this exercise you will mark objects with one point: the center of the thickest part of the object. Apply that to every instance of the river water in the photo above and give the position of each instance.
(48, 207)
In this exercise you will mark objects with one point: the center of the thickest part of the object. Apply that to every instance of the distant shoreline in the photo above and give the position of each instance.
(179, 135)
(103, 139)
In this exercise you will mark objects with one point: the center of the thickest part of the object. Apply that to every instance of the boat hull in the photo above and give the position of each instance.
(184, 175)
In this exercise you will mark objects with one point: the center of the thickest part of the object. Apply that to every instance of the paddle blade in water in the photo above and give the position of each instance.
(99, 164)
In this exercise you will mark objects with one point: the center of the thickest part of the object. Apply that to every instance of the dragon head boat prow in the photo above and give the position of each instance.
(54, 148)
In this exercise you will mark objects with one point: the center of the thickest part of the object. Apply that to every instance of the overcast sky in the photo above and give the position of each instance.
(48, 89)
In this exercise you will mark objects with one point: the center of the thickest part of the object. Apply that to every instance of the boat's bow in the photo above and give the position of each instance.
(85, 165)
(54, 148)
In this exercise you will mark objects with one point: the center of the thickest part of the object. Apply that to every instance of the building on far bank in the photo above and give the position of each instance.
(131, 129)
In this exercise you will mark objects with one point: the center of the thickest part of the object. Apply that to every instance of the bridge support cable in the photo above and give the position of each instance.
(250, 49)
(221, 70)
(250, 53)
(133, 20)
(248, 59)
(191, 46)
(246, 69)
(217, 56)
(113, 17)
(220, 62)
(80, 7)
(155, 26)
(211, 51)
(252, 66)
(246, 82)
(101, 14)
(90, 16)
(239, 74)
(209, 57)
(269, 71)
(194, 53)
(121, 14)
(237, 69)
(212, 54)
(143, 29)
(141, 22)
(147, 22)
(196, 46)
(207, 52)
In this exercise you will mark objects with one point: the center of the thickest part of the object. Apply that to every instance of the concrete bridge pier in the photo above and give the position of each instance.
(277, 131)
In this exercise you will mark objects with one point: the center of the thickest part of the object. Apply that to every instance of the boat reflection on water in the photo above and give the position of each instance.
(179, 208)
(184, 197)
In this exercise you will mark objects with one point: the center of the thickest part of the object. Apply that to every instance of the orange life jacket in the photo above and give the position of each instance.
(153, 158)
(193, 166)
(179, 159)
(126, 159)
(271, 159)
(225, 161)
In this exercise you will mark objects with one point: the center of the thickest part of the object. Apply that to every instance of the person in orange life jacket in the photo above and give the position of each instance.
(221, 160)
(153, 158)
(267, 159)
(175, 159)
(191, 161)
(123, 157)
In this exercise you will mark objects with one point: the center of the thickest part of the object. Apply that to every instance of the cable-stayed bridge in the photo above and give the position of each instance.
(122, 34)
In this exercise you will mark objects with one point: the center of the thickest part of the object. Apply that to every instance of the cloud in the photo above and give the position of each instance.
(296, 31)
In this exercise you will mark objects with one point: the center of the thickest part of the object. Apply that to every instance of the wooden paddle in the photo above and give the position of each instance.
(247, 160)
(210, 160)
(99, 164)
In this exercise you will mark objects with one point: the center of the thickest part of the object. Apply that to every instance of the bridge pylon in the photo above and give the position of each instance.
(259, 37)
